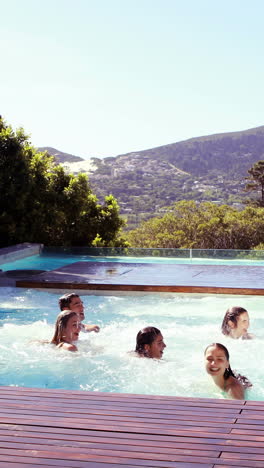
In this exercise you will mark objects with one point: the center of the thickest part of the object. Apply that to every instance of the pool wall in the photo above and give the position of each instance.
(15, 252)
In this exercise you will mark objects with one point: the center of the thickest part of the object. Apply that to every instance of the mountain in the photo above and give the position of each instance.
(60, 157)
(70, 162)
(207, 168)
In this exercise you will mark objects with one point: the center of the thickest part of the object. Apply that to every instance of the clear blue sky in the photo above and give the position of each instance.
(106, 77)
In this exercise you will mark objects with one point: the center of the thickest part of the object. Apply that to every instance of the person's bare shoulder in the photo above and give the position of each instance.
(235, 390)
(68, 347)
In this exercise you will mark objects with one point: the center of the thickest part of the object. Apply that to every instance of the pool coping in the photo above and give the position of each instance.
(151, 277)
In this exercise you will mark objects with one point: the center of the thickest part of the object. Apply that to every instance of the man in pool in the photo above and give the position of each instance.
(74, 303)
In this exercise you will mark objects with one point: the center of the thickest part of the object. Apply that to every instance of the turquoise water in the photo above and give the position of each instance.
(53, 261)
(103, 363)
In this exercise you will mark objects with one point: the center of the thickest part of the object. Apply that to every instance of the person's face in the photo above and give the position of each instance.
(241, 326)
(215, 361)
(76, 305)
(155, 349)
(72, 329)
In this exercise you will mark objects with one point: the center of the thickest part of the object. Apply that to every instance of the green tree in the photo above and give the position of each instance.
(40, 202)
(256, 177)
(202, 226)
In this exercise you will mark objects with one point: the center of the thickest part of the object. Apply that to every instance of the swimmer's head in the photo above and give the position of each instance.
(217, 360)
(67, 327)
(150, 343)
(236, 322)
(73, 302)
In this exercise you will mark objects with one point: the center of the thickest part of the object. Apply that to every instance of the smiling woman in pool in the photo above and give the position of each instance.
(217, 365)
(150, 343)
(67, 330)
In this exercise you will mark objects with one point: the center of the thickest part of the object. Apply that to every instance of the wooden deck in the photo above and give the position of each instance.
(214, 279)
(58, 428)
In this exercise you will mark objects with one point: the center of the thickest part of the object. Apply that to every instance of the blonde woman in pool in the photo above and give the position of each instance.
(218, 367)
(236, 323)
(67, 330)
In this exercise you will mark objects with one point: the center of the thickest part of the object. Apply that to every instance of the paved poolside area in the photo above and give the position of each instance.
(59, 428)
(215, 279)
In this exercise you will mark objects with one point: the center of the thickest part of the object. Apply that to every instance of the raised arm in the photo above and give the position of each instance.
(90, 328)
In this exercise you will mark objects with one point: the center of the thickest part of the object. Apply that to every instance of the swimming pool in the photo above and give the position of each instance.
(51, 259)
(188, 323)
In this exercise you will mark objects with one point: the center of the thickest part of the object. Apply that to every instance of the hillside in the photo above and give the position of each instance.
(61, 157)
(211, 167)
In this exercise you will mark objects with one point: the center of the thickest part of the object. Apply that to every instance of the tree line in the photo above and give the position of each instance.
(202, 226)
(41, 203)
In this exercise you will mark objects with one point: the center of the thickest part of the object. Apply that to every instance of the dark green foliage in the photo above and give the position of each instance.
(202, 226)
(40, 202)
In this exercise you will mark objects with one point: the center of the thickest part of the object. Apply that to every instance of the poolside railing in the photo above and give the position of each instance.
(190, 254)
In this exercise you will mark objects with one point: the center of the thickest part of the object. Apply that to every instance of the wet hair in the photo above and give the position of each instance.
(61, 324)
(146, 336)
(228, 372)
(65, 300)
(231, 314)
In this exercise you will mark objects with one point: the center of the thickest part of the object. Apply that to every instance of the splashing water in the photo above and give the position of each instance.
(103, 363)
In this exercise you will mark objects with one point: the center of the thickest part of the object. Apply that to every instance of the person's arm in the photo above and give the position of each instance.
(248, 336)
(236, 390)
(90, 328)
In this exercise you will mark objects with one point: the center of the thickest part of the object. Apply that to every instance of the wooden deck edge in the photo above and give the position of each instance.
(139, 287)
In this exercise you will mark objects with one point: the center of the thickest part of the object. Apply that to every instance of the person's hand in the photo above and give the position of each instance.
(91, 328)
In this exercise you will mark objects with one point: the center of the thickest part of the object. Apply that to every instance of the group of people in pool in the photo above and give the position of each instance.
(150, 343)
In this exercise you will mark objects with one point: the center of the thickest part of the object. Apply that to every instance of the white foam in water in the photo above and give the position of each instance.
(188, 323)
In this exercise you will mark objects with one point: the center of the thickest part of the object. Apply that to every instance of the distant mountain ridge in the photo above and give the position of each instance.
(60, 156)
(211, 167)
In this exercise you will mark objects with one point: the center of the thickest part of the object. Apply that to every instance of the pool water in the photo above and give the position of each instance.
(52, 261)
(103, 363)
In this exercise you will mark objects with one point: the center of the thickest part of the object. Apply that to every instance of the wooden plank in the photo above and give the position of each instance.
(242, 456)
(156, 418)
(125, 410)
(64, 433)
(60, 393)
(251, 414)
(137, 428)
(27, 462)
(155, 460)
(24, 464)
(255, 431)
(250, 421)
(104, 444)
(132, 451)
(16, 400)
(238, 463)
(76, 436)
(81, 429)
